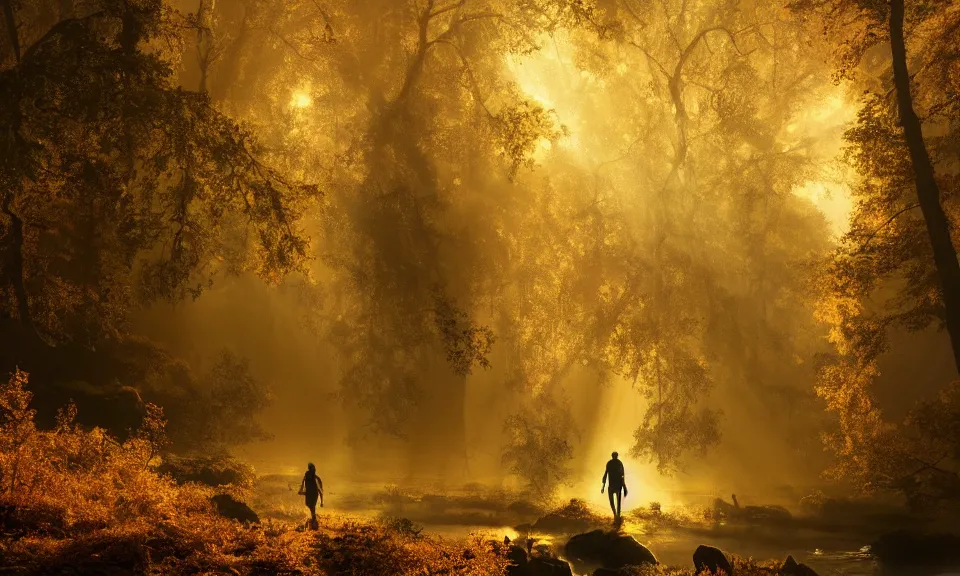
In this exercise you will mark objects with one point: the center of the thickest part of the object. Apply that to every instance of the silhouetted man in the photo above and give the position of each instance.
(617, 484)
(312, 488)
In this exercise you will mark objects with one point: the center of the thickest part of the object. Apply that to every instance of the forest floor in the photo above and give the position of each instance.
(77, 501)
(374, 532)
(179, 535)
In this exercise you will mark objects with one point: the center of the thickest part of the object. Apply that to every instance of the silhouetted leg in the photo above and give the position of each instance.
(312, 505)
(619, 501)
(613, 508)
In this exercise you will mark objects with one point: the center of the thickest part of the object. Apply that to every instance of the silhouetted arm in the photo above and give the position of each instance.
(604, 481)
(320, 489)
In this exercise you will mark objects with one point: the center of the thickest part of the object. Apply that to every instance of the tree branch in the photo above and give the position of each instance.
(873, 234)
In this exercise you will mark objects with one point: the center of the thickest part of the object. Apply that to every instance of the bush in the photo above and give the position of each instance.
(213, 471)
(74, 500)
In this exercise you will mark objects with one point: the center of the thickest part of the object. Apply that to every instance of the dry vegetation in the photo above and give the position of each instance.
(77, 501)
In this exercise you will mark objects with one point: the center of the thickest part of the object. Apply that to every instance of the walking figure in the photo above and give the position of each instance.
(617, 485)
(312, 489)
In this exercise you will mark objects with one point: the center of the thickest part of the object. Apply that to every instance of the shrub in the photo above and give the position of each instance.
(75, 500)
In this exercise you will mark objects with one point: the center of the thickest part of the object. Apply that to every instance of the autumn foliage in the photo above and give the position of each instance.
(75, 500)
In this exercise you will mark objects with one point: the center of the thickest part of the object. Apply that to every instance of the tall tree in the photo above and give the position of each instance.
(902, 145)
(121, 188)
(865, 26)
(118, 189)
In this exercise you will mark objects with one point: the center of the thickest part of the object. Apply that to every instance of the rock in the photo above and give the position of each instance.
(906, 548)
(791, 568)
(708, 557)
(518, 561)
(544, 565)
(607, 550)
(575, 516)
(228, 507)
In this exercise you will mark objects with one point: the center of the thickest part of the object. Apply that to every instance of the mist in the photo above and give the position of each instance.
(479, 245)
(599, 147)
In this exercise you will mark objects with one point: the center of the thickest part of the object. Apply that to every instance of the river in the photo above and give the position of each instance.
(829, 550)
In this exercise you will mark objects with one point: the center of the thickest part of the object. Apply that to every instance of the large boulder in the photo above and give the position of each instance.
(228, 507)
(517, 556)
(575, 516)
(606, 550)
(710, 558)
(907, 548)
(791, 568)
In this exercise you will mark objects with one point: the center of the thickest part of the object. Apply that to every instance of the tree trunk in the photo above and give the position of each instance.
(15, 272)
(10, 20)
(225, 81)
(928, 194)
(205, 40)
(438, 449)
(11, 153)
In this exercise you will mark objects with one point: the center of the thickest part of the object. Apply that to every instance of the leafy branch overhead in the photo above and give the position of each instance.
(117, 177)
(466, 345)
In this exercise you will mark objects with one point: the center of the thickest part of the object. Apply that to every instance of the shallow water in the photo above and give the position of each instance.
(830, 552)
(675, 548)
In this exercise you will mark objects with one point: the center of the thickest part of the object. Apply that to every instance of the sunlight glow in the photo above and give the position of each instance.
(622, 408)
(551, 79)
(831, 198)
(301, 99)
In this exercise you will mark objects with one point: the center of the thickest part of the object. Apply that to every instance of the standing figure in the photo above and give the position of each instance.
(618, 484)
(312, 489)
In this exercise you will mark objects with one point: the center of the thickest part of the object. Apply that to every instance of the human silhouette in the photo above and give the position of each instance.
(617, 483)
(312, 488)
